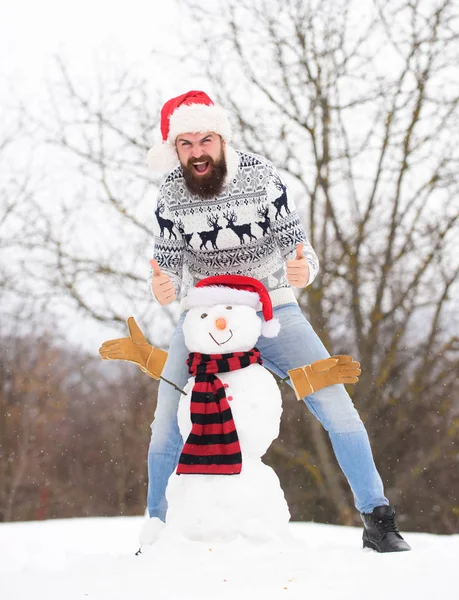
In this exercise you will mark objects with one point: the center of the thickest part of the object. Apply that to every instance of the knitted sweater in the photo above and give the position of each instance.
(250, 229)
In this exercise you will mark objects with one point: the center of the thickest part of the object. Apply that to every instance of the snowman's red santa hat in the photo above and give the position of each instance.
(191, 112)
(235, 289)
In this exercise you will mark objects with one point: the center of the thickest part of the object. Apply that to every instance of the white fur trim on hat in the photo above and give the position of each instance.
(213, 295)
(219, 294)
(162, 157)
(194, 118)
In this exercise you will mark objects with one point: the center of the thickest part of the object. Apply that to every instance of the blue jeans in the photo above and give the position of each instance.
(296, 345)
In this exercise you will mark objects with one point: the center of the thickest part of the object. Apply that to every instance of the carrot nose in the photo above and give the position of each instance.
(220, 323)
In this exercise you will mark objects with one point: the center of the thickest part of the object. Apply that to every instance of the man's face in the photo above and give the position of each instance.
(203, 162)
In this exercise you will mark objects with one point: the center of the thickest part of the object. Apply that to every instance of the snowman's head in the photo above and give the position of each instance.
(222, 315)
(221, 328)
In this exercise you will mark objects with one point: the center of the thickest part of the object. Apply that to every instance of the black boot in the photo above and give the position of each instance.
(381, 532)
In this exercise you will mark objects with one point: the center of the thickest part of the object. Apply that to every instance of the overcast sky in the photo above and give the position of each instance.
(32, 33)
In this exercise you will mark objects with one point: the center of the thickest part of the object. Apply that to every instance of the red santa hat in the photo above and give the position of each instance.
(189, 113)
(235, 289)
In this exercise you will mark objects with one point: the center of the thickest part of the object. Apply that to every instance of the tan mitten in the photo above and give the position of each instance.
(322, 373)
(135, 349)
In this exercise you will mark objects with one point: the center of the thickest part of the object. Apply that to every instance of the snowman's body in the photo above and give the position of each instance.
(251, 504)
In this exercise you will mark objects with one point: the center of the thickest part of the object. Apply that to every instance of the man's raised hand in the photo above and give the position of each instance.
(162, 286)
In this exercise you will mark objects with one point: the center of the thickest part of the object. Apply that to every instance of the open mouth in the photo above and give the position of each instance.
(201, 167)
(221, 343)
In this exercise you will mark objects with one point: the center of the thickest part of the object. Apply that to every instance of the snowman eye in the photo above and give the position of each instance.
(204, 315)
(229, 308)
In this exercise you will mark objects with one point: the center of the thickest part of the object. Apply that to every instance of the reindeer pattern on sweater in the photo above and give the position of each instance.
(250, 229)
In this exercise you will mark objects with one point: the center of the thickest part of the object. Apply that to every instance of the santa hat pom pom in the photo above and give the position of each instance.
(270, 328)
(162, 157)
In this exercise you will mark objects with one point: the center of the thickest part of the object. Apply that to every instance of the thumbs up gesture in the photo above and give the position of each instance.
(162, 286)
(298, 269)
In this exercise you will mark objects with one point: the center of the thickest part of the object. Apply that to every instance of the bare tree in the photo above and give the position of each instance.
(359, 108)
(97, 230)
(18, 216)
(74, 236)
(73, 432)
(31, 397)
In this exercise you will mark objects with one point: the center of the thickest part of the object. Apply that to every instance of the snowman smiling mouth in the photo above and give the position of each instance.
(221, 343)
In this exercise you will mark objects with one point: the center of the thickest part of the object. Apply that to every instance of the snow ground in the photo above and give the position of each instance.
(94, 558)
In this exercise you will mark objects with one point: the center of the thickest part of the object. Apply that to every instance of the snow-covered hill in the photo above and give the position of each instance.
(79, 559)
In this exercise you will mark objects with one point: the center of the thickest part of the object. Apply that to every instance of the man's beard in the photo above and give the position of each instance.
(209, 185)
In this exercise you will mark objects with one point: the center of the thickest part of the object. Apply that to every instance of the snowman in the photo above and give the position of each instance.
(228, 415)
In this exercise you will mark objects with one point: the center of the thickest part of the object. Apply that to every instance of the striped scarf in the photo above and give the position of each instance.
(212, 448)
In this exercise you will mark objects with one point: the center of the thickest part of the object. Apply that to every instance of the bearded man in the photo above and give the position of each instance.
(225, 212)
